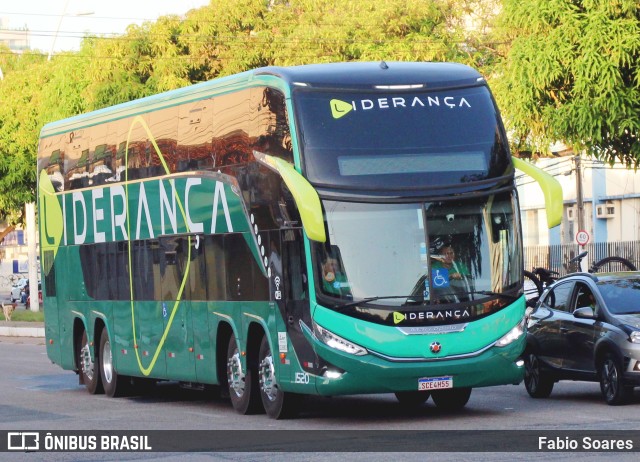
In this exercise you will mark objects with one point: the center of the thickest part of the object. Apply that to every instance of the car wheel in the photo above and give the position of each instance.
(536, 381)
(243, 386)
(412, 398)
(611, 381)
(451, 399)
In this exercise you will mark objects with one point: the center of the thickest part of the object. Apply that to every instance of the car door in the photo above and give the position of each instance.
(552, 311)
(579, 333)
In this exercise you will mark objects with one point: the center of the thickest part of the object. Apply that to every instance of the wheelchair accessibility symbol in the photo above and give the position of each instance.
(440, 278)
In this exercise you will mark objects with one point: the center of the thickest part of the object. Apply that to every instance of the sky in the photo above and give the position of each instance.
(60, 24)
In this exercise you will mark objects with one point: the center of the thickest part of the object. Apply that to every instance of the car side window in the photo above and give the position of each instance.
(558, 297)
(585, 297)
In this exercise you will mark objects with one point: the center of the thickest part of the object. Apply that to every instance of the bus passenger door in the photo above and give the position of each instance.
(296, 307)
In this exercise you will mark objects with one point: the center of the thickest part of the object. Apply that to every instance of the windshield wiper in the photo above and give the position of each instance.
(490, 293)
(373, 299)
(412, 298)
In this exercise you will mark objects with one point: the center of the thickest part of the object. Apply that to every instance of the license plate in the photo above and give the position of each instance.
(435, 383)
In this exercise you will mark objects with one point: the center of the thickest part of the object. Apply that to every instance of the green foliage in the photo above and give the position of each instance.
(571, 74)
(560, 69)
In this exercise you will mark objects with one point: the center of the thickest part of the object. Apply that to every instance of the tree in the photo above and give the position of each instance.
(34, 92)
(570, 73)
(225, 37)
(20, 97)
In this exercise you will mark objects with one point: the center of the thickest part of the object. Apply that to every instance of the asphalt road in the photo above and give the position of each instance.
(37, 395)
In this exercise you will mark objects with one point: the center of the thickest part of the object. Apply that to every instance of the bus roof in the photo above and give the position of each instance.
(370, 74)
(351, 75)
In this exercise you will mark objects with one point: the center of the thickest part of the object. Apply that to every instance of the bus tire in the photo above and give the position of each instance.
(536, 381)
(243, 384)
(451, 399)
(277, 403)
(412, 398)
(89, 367)
(114, 384)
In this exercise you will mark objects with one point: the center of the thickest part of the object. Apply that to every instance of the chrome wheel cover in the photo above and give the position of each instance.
(235, 374)
(107, 362)
(86, 361)
(268, 383)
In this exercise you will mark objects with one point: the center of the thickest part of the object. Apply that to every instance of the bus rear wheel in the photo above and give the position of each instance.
(243, 386)
(451, 399)
(114, 384)
(277, 403)
(89, 369)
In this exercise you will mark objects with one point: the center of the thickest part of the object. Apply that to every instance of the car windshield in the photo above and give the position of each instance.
(444, 252)
(622, 296)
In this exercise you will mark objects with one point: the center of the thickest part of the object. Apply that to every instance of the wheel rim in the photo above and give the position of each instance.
(609, 379)
(107, 362)
(86, 360)
(532, 372)
(268, 383)
(235, 374)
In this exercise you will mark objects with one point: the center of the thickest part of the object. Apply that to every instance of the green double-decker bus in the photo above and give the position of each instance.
(324, 229)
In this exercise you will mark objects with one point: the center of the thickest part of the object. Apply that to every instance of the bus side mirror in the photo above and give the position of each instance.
(304, 195)
(550, 188)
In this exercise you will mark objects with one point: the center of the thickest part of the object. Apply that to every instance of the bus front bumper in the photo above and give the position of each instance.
(371, 373)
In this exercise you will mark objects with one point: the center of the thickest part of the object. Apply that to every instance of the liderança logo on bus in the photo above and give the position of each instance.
(440, 315)
(340, 108)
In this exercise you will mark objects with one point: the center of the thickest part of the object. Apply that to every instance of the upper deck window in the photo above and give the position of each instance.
(396, 139)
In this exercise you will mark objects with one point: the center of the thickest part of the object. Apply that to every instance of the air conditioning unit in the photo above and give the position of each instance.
(607, 210)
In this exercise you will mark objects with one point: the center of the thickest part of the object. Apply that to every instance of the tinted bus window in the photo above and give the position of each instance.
(430, 138)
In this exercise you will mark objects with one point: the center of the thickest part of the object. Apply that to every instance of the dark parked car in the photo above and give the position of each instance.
(586, 327)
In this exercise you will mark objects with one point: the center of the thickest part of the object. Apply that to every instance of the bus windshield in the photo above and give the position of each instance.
(386, 140)
(445, 252)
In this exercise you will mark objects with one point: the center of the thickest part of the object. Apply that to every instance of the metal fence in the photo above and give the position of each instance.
(556, 257)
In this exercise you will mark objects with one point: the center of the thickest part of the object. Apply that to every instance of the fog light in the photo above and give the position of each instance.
(331, 374)
(520, 363)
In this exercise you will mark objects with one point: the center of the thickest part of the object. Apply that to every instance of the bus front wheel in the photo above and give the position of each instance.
(89, 369)
(277, 403)
(242, 382)
(451, 399)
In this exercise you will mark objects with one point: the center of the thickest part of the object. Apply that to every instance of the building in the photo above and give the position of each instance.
(610, 213)
(610, 196)
(18, 40)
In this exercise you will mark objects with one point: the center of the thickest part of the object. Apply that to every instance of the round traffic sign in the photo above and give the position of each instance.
(582, 237)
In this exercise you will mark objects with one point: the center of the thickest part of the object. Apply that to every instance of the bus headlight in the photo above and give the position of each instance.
(335, 341)
(511, 336)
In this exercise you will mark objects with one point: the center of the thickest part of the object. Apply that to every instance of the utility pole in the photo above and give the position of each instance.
(579, 197)
(30, 213)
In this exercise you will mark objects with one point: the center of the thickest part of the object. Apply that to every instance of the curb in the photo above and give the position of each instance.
(21, 329)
